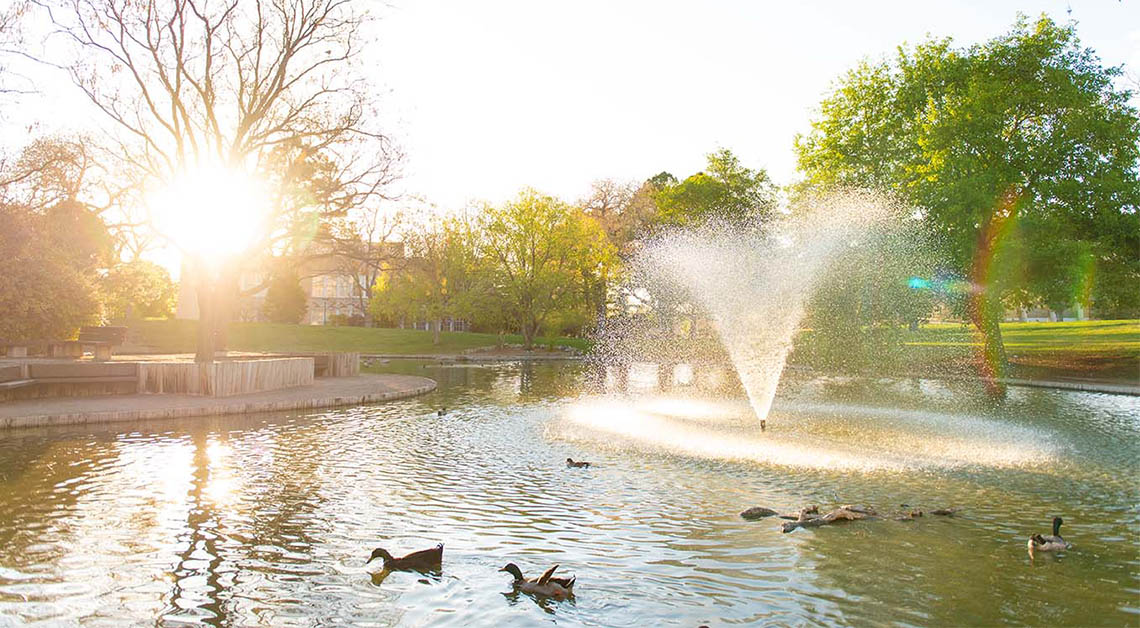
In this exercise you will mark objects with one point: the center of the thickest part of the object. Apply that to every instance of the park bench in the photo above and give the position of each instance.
(98, 339)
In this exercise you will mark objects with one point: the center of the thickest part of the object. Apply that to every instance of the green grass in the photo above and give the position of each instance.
(1079, 337)
(179, 336)
(1107, 350)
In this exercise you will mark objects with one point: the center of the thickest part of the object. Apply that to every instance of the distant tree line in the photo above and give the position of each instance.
(1018, 158)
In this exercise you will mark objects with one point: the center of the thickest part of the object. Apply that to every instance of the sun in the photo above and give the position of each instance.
(213, 211)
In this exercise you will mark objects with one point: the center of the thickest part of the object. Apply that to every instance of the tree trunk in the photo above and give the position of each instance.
(435, 329)
(528, 331)
(985, 313)
(985, 307)
(205, 348)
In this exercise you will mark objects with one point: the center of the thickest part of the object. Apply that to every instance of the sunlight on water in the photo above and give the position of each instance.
(824, 436)
(268, 519)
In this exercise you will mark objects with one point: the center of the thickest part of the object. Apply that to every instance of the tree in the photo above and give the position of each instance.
(1003, 147)
(11, 42)
(541, 256)
(364, 248)
(438, 279)
(727, 191)
(271, 89)
(285, 300)
(52, 244)
(624, 213)
(138, 288)
(46, 287)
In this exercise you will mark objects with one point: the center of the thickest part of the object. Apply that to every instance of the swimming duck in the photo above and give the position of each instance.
(441, 412)
(1054, 543)
(546, 584)
(577, 465)
(423, 560)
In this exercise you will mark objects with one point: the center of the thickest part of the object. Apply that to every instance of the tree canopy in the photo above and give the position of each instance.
(138, 288)
(726, 190)
(438, 279)
(1019, 153)
(542, 256)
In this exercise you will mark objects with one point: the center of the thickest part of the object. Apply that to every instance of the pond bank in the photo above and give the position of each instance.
(323, 393)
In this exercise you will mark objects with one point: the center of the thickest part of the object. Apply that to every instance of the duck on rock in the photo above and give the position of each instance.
(545, 585)
(1052, 543)
(423, 560)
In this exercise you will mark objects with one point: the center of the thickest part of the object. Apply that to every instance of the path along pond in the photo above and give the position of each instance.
(268, 519)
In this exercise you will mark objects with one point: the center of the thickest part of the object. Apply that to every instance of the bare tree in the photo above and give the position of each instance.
(270, 87)
(364, 246)
(607, 202)
(11, 40)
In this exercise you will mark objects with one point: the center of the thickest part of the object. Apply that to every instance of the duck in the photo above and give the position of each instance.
(1054, 543)
(423, 560)
(577, 465)
(545, 585)
(441, 412)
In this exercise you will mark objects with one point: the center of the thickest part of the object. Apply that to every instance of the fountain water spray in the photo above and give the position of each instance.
(753, 282)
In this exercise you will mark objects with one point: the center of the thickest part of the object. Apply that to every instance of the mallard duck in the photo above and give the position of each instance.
(546, 584)
(577, 465)
(1054, 543)
(423, 560)
(441, 412)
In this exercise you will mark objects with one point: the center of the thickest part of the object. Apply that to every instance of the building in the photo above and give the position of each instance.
(334, 288)
(334, 293)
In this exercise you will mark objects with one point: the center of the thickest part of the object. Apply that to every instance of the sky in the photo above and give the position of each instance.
(485, 98)
(488, 97)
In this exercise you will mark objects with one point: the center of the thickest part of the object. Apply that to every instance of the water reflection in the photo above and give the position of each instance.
(269, 519)
(198, 585)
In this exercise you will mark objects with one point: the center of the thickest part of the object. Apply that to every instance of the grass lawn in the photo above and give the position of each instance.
(180, 336)
(1107, 350)
(1077, 338)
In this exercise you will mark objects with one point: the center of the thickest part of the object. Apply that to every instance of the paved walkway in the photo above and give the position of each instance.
(323, 393)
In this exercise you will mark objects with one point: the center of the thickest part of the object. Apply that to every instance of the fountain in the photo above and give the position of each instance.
(752, 283)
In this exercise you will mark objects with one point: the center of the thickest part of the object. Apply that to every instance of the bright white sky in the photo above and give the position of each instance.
(488, 97)
(492, 96)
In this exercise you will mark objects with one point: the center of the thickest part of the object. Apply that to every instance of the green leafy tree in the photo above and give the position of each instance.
(541, 256)
(1003, 147)
(726, 190)
(138, 288)
(285, 300)
(46, 289)
(437, 280)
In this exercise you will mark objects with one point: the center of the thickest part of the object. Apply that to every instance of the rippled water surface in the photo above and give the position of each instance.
(268, 519)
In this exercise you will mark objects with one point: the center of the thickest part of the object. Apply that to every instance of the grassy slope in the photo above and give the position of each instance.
(178, 336)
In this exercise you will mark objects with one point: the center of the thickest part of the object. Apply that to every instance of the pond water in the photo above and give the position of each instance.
(268, 519)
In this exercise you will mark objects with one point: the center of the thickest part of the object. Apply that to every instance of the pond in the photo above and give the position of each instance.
(268, 519)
